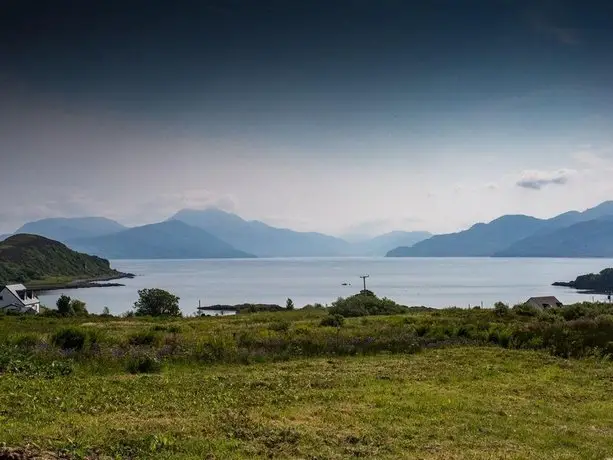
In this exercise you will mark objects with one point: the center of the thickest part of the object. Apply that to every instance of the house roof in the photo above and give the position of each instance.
(15, 289)
(548, 300)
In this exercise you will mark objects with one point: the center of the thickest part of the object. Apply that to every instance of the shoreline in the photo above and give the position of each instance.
(84, 283)
(579, 290)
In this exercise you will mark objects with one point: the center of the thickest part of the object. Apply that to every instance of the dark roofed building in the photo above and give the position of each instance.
(544, 302)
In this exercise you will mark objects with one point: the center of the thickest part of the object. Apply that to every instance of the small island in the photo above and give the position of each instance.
(243, 308)
(592, 283)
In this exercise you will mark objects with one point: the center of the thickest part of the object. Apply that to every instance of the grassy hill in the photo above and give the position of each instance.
(26, 258)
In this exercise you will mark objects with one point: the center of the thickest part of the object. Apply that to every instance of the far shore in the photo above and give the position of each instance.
(82, 283)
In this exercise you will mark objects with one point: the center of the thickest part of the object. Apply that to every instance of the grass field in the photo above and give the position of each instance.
(445, 384)
(460, 402)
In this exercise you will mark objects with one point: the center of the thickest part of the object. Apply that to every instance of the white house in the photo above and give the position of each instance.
(16, 298)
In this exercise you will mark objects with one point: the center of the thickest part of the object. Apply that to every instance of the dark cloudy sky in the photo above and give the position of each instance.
(348, 115)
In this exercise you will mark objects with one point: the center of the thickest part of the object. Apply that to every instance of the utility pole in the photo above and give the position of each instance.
(364, 280)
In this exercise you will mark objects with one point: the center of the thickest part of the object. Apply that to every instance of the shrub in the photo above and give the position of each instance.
(69, 339)
(149, 338)
(525, 309)
(332, 320)
(280, 326)
(501, 309)
(365, 304)
(70, 307)
(144, 365)
(26, 340)
(78, 307)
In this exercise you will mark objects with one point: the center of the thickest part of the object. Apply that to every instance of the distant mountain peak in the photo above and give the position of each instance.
(518, 234)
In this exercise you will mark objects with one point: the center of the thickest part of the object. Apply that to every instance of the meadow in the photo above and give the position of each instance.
(311, 383)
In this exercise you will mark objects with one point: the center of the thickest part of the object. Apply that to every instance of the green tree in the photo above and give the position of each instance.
(63, 305)
(157, 302)
(106, 311)
(289, 304)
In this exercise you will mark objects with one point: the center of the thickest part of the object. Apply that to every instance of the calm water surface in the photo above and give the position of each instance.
(435, 282)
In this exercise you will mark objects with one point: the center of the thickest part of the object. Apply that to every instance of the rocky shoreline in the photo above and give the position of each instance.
(87, 283)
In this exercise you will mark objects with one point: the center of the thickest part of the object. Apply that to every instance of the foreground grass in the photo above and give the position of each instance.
(465, 403)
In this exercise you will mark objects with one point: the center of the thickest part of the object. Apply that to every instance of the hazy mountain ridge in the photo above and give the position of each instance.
(262, 239)
(571, 234)
(91, 234)
(171, 239)
(380, 245)
(592, 238)
(67, 228)
(267, 241)
(213, 233)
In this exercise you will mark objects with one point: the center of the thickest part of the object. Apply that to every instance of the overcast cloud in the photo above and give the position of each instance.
(340, 117)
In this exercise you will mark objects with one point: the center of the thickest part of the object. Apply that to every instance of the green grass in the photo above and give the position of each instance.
(452, 383)
(465, 403)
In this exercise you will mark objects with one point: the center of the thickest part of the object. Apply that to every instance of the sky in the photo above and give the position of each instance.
(345, 117)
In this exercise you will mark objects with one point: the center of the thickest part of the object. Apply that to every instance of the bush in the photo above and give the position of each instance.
(365, 304)
(501, 309)
(26, 340)
(525, 309)
(69, 339)
(332, 320)
(144, 365)
(70, 307)
(280, 326)
(78, 307)
(148, 338)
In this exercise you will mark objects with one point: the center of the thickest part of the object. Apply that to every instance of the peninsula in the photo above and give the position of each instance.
(44, 264)
(592, 283)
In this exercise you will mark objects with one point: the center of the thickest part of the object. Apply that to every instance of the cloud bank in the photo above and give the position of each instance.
(536, 180)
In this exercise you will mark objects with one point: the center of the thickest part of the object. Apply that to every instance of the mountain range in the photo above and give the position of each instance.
(172, 239)
(209, 233)
(572, 234)
(213, 233)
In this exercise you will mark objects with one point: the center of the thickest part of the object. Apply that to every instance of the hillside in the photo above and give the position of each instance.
(25, 258)
(380, 245)
(166, 240)
(68, 228)
(480, 240)
(593, 238)
(594, 283)
(258, 238)
(522, 236)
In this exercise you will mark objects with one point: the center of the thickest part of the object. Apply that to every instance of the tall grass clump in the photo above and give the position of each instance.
(144, 365)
